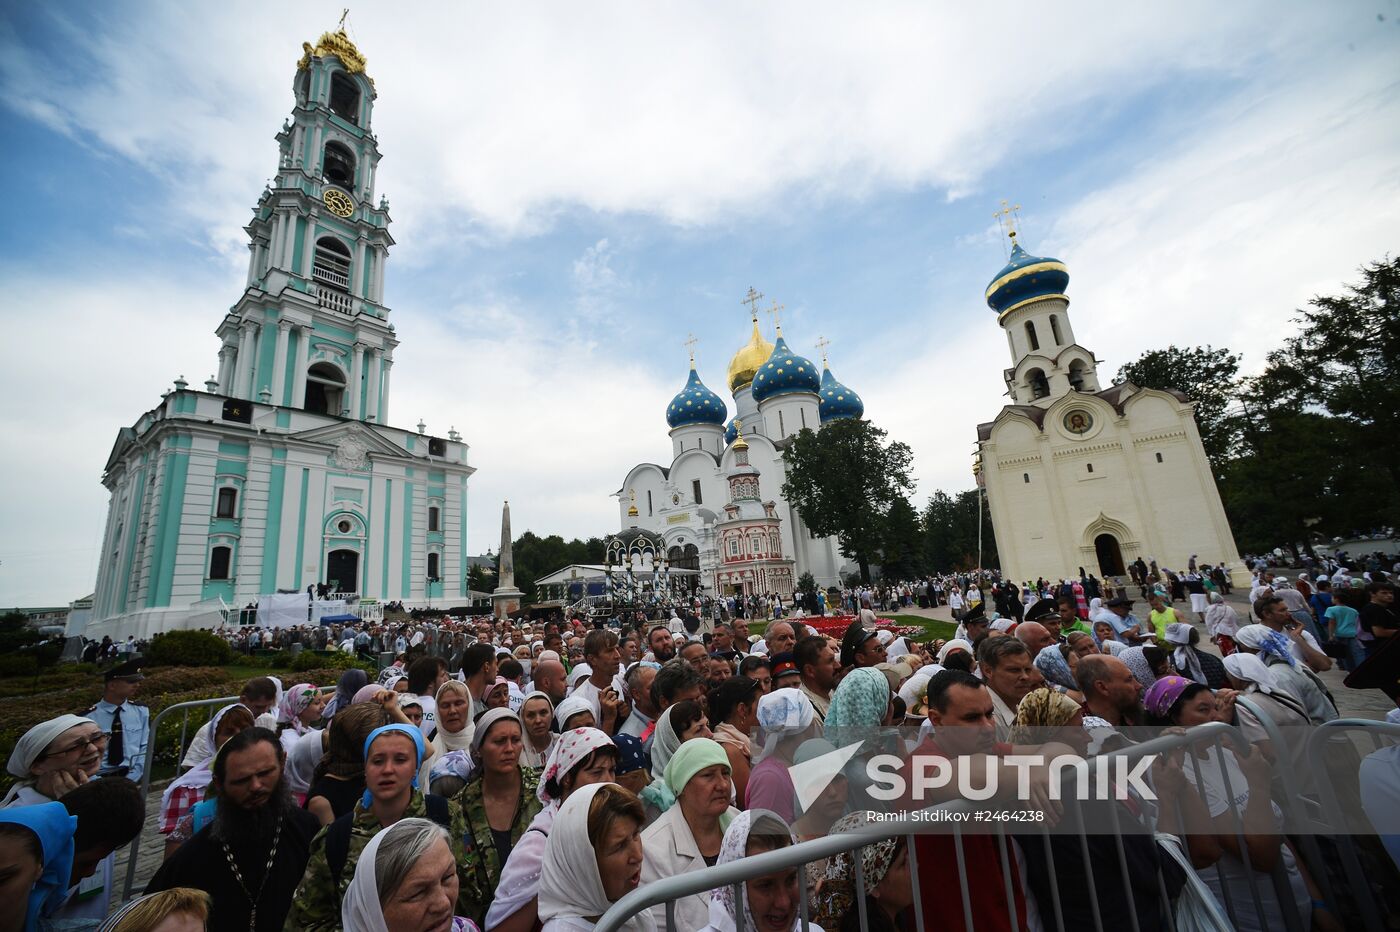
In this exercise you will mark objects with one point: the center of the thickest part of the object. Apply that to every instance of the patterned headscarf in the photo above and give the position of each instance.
(860, 701)
(1042, 708)
(294, 702)
(570, 750)
(631, 754)
(1268, 642)
(838, 887)
(418, 747)
(1137, 662)
(452, 764)
(1054, 667)
(1164, 693)
(723, 909)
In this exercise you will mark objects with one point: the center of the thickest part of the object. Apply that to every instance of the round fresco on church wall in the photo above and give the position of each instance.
(1078, 422)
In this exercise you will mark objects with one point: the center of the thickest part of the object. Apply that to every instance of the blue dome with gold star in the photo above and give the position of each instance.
(1026, 278)
(784, 373)
(731, 432)
(838, 401)
(695, 404)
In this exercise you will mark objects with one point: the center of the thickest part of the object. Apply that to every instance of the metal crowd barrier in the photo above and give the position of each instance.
(183, 709)
(1234, 903)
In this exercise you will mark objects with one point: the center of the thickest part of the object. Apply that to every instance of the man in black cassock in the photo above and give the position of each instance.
(252, 855)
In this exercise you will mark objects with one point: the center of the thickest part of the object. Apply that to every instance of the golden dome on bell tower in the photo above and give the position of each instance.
(751, 355)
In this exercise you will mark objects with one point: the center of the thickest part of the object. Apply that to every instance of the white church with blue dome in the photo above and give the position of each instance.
(718, 505)
(1079, 474)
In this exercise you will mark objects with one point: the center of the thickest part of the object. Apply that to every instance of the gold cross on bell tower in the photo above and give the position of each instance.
(752, 299)
(821, 344)
(1009, 218)
(776, 312)
(690, 342)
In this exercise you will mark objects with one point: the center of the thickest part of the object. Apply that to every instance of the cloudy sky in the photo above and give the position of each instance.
(577, 186)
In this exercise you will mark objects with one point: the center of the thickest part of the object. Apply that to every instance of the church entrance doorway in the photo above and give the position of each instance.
(343, 570)
(1110, 555)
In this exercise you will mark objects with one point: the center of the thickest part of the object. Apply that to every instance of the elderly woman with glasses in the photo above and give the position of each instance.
(52, 758)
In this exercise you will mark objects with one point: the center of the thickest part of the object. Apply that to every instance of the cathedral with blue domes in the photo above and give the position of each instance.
(718, 504)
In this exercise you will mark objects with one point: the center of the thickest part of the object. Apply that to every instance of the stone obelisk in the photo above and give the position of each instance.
(505, 598)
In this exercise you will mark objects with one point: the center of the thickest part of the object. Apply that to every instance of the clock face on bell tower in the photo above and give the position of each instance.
(338, 201)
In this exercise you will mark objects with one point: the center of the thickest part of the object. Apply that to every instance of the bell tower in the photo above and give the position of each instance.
(1029, 297)
(311, 330)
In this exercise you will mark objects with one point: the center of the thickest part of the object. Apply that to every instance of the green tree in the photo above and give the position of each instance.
(1346, 360)
(950, 532)
(902, 556)
(1209, 377)
(844, 481)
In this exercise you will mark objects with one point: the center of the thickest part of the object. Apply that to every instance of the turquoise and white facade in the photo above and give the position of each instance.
(282, 473)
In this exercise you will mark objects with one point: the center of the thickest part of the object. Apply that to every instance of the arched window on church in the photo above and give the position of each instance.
(338, 166)
(1055, 329)
(434, 518)
(332, 263)
(1040, 386)
(1031, 339)
(345, 97)
(434, 567)
(325, 389)
(227, 506)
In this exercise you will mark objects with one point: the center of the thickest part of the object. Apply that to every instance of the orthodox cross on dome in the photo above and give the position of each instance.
(1009, 219)
(343, 13)
(821, 344)
(690, 342)
(752, 299)
(776, 312)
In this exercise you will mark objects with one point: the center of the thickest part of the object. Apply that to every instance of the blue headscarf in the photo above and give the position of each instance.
(54, 827)
(413, 732)
(1054, 667)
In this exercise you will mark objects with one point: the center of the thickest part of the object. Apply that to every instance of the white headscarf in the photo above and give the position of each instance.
(569, 708)
(529, 757)
(1251, 669)
(32, 744)
(302, 759)
(781, 714)
(360, 910)
(734, 846)
(200, 776)
(1179, 633)
(570, 887)
(445, 740)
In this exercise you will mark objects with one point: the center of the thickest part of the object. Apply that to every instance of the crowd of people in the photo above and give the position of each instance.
(511, 775)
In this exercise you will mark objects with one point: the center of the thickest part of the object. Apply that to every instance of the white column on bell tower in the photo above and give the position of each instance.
(279, 362)
(356, 376)
(299, 373)
(376, 359)
(384, 392)
(243, 375)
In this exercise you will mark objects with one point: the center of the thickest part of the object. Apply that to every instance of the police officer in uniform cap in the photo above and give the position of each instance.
(127, 724)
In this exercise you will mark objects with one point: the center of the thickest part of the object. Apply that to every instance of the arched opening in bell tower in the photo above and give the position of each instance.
(345, 97)
(1032, 340)
(325, 389)
(332, 263)
(338, 166)
(1040, 386)
(1076, 376)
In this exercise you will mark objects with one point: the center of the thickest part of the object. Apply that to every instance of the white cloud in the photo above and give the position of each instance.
(694, 113)
(1278, 194)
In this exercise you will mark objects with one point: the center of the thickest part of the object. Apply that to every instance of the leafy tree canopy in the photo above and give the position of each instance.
(844, 481)
(1209, 377)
